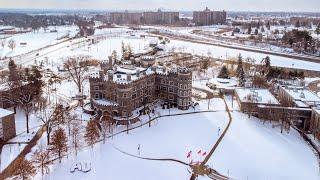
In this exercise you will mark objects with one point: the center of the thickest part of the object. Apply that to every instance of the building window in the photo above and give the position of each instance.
(171, 83)
(96, 88)
(96, 96)
(124, 95)
(171, 90)
(171, 97)
(134, 96)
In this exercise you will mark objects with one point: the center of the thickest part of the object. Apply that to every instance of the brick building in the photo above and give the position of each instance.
(7, 125)
(158, 17)
(126, 17)
(120, 90)
(208, 17)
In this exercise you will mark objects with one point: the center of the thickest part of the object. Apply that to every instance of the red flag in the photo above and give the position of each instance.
(205, 153)
(189, 154)
(199, 152)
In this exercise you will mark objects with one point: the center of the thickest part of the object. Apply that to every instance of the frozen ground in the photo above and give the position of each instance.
(36, 40)
(250, 150)
(224, 53)
(162, 140)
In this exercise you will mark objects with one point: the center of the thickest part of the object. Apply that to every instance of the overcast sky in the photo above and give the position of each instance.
(237, 5)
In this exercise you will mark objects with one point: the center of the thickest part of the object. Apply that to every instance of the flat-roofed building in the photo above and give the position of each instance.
(160, 17)
(208, 17)
(250, 98)
(126, 17)
(293, 96)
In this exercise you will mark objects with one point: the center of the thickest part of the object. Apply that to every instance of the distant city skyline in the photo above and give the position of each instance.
(228, 5)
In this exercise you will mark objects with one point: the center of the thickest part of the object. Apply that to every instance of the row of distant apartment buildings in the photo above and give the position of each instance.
(201, 18)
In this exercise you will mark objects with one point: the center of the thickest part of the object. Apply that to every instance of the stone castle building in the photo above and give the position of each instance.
(208, 17)
(121, 89)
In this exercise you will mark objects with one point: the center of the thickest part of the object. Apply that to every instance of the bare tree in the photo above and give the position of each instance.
(42, 158)
(59, 143)
(106, 126)
(23, 169)
(12, 44)
(77, 68)
(75, 134)
(3, 43)
(92, 133)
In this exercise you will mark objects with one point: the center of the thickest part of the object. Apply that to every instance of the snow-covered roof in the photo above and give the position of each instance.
(4, 113)
(301, 94)
(259, 96)
(104, 102)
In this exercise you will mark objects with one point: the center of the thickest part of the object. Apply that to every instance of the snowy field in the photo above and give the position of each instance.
(112, 39)
(36, 40)
(250, 150)
(161, 140)
(224, 53)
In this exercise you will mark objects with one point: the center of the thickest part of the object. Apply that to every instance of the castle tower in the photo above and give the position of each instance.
(184, 88)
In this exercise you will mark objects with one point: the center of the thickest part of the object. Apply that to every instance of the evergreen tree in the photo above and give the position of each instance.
(267, 62)
(249, 29)
(224, 73)
(256, 31)
(129, 52)
(242, 79)
(14, 74)
(240, 66)
(268, 25)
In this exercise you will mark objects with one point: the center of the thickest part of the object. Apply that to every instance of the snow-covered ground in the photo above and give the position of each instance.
(250, 150)
(253, 150)
(225, 53)
(161, 140)
(35, 40)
